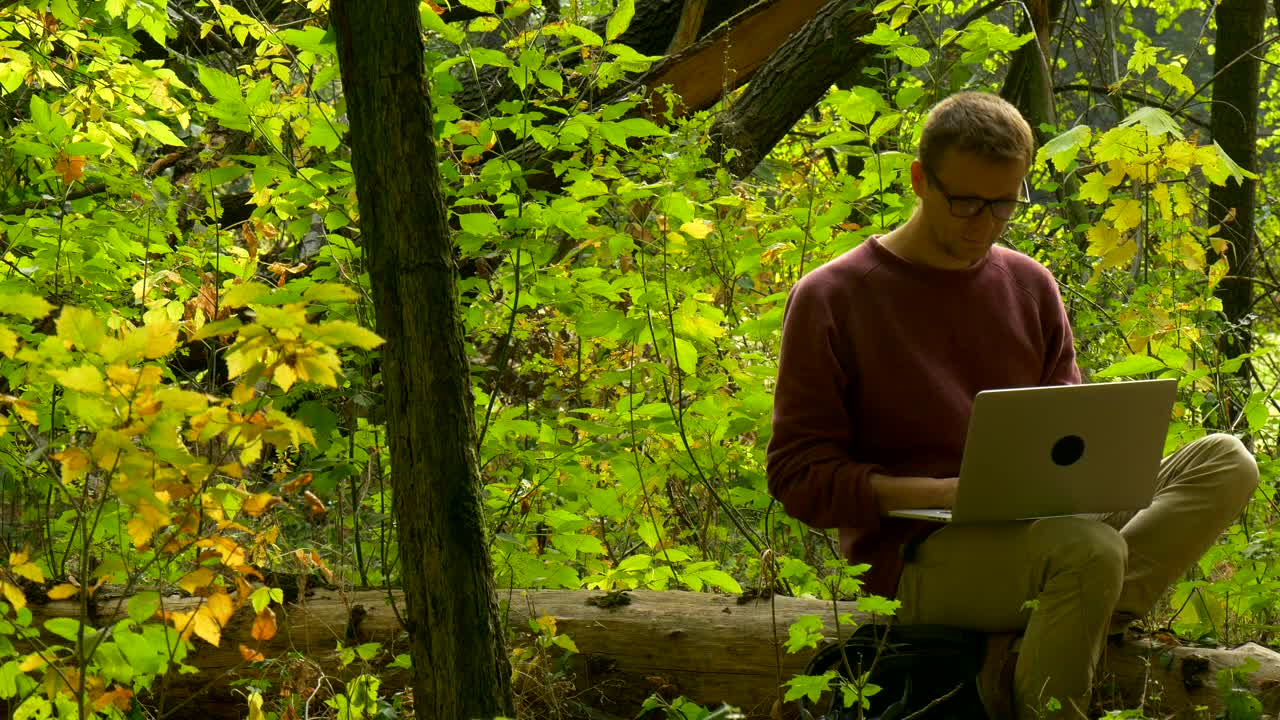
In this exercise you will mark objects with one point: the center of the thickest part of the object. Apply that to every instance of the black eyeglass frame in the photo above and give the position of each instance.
(972, 206)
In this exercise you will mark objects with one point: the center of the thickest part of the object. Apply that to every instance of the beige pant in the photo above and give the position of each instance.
(1062, 579)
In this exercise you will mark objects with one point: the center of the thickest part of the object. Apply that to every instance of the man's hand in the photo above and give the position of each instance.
(901, 493)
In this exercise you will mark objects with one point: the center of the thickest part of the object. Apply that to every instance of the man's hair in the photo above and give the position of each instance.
(980, 123)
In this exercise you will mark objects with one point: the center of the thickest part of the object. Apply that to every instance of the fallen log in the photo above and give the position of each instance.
(709, 648)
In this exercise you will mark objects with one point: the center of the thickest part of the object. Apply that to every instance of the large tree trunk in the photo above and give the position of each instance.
(795, 77)
(461, 668)
(1234, 125)
(710, 648)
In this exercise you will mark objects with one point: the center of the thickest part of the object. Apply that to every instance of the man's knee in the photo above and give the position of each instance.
(1077, 544)
(1237, 469)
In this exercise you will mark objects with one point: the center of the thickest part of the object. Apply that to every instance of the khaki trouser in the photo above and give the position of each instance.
(1079, 571)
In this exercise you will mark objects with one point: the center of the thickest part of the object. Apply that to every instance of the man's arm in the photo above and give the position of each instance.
(903, 493)
(809, 467)
(1060, 352)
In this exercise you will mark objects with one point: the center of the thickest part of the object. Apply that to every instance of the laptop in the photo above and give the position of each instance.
(1062, 450)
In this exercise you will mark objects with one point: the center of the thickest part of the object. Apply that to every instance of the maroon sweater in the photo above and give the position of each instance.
(881, 359)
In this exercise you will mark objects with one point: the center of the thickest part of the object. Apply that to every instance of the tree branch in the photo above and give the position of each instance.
(1134, 96)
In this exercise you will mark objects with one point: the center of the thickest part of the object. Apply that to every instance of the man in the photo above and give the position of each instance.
(883, 351)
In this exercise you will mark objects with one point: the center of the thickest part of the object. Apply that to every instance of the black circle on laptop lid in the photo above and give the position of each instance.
(1067, 450)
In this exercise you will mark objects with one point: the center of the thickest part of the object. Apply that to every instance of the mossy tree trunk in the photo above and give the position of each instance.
(461, 669)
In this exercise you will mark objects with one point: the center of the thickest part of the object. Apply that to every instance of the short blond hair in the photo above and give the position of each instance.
(977, 122)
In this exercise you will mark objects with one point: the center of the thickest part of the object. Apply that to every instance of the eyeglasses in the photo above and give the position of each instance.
(969, 206)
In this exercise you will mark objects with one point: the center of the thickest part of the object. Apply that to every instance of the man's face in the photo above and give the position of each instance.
(959, 186)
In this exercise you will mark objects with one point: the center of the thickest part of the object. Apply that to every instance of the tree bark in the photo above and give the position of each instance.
(1234, 125)
(796, 76)
(710, 648)
(1029, 86)
(461, 668)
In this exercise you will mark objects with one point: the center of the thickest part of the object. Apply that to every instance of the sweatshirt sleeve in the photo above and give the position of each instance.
(809, 467)
(1060, 350)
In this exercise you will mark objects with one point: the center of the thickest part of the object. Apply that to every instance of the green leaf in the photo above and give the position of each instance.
(844, 137)
(583, 35)
(620, 20)
(686, 356)
(1132, 365)
(260, 599)
(84, 378)
(220, 85)
(810, 686)
(565, 642)
(431, 22)
(484, 6)
(9, 679)
(145, 657)
(1062, 150)
(143, 606)
(1231, 166)
(1157, 122)
(317, 40)
(65, 628)
(478, 223)
(878, 605)
(883, 35)
(551, 79)
(720, 579)
(243, 294)
(648, 532)
(330, 293)
(86, 148)
(488, 56)
(24, 305)
(912, 56)
(340, 332)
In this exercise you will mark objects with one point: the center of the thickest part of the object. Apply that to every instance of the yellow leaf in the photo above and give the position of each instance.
(548, 624)
(260, 503)
(81, 327)
(32, 662)
(30, 571)
(206, 626)
(75, 463)
(319, 369)
(264, 626)
(8, 341)
(196, 580)
(161, 339)
(251, 453)
(182, 622)
(18, 557)
(13, 595)
(255, 700)
(697, 229)
(1110, 246)
(26, 412)
(284, 376)
(24, 305)
(63, 591)
(85, 379)
(1124, 214)
(1163, 201)
(242, 393)
(221, 607)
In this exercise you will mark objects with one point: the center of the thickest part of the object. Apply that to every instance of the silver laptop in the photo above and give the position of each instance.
(1061, 450)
